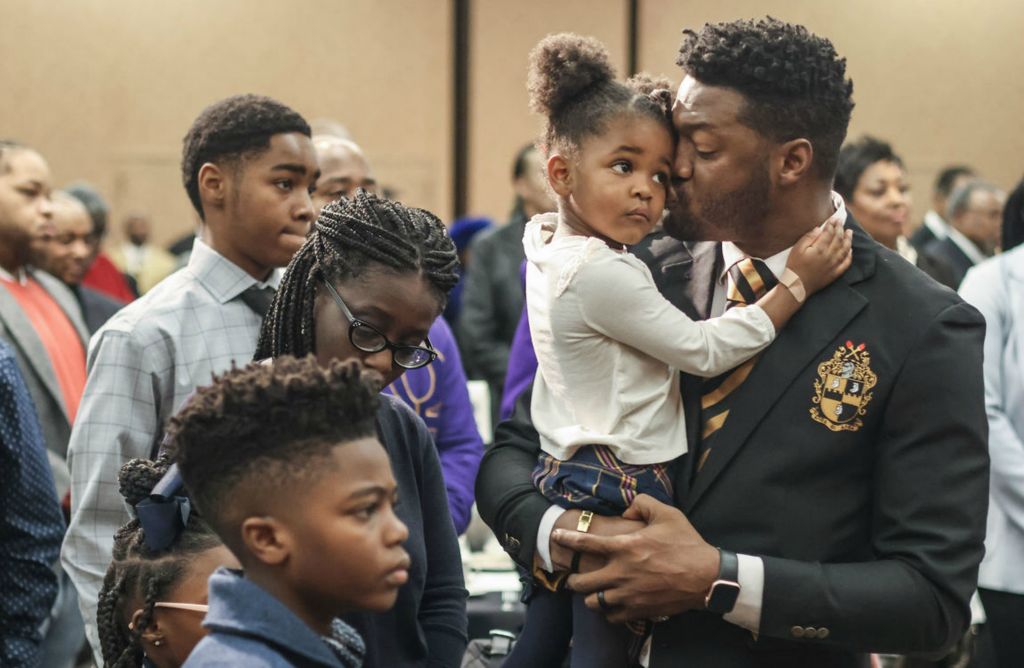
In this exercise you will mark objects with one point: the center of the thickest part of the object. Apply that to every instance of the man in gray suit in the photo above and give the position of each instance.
(41, 321)
(39, 316)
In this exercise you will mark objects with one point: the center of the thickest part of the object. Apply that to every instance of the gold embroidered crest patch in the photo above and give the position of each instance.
(843, 389)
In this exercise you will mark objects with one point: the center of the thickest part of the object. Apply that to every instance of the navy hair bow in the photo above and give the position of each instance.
(165, 512)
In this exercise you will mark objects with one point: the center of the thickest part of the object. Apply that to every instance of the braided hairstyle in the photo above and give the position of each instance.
(136, 572)
(572, 83)
(349, 236)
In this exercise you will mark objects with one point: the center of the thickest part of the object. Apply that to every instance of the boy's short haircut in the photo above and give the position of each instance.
(231, 130)
(271, 424)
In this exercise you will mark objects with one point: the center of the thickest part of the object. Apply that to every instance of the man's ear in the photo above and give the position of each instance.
(267, 539)
(559, 175)
(793, 160)
(213, 185)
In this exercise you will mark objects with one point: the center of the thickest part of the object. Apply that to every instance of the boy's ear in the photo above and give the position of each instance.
(793, 161)
(213, 184)
(267, 539)
(559, 175)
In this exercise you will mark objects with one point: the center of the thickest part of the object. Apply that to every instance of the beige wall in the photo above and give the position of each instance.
(939, 79)
(106, 88)
(503, 33)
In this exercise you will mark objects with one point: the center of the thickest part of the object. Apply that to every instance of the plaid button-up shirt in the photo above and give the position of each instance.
(142, 364)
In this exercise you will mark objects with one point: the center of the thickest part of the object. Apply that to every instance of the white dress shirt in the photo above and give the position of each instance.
(747, 611)
(142, 364)
(937, 224)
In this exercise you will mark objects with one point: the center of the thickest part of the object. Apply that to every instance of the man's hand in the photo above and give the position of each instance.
(665, 568)
(561, 557)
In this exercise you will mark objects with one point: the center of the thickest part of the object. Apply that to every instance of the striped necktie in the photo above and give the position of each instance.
(748, 280)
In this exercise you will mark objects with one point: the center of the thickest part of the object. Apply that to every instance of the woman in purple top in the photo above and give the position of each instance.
(522, 361)
(438, 394)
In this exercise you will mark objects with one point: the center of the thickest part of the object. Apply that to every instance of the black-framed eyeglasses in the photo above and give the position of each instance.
(370, 340)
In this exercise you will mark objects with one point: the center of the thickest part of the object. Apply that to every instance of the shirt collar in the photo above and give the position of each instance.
(241, 607)
(966, 245)
(223, 278)
(937, 224)
(20, 276)
(731, 254)
(906, 250)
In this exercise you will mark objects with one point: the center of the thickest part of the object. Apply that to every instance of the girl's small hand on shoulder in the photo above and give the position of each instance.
(822, 255)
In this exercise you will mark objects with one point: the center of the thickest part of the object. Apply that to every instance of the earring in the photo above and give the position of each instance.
(157, 643)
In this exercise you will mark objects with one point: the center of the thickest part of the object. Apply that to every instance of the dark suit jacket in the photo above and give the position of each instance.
(921, 237)
(946, 251)
(870, 528)
(492, 302)
(17, 330)
(96, 307)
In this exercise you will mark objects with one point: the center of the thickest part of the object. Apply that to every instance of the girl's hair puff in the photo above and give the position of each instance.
(572, 82)
(136, 572)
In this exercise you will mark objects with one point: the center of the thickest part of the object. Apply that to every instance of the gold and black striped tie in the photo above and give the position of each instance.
(748, 280)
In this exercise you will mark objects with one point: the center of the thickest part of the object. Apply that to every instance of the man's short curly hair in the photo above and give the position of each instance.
(231, 130)
(794, 83)
(271, 423)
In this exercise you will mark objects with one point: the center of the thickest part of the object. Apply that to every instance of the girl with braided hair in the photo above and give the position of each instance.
(369, 283)
(154, 593)
(606, 399)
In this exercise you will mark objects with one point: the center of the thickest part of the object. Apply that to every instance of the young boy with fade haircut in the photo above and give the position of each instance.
(283, 462)
(248, 165)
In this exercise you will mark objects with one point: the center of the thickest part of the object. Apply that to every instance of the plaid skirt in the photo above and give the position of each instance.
(594, 479)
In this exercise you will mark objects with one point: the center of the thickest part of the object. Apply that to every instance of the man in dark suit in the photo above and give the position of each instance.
(975, 213)
(67, 253)
(492, 299)
(934, 226)
(838, 508)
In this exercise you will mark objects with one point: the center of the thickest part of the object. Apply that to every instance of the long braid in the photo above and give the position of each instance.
(349, 235)
(114, 642)
(136, 572)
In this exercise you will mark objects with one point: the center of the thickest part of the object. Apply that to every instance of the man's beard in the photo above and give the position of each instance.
(723, 216)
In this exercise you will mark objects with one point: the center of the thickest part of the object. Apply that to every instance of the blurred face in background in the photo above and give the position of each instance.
(532, 187)
(137, 229)
(982, 220)
(881, 202)
(343, 169)
(67, 252)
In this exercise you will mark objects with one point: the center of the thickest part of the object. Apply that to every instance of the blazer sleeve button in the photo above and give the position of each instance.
(822, 633)
(797, 631)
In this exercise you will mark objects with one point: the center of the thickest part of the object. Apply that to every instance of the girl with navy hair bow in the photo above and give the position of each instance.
(154, 594)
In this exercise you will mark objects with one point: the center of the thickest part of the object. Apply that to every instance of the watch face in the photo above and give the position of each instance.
(723, 595)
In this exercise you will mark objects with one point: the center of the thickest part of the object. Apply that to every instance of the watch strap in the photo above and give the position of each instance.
(729, 566)
(725, 590)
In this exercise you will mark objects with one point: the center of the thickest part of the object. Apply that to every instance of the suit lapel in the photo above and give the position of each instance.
(67, 302)
(23, 334)
(799, 344)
